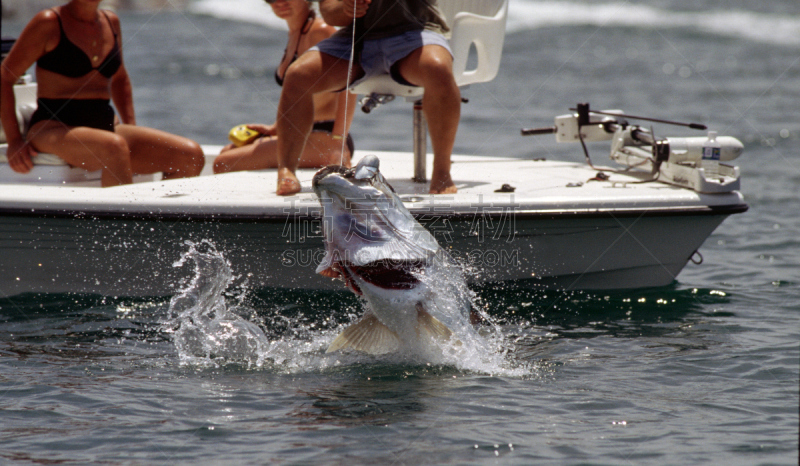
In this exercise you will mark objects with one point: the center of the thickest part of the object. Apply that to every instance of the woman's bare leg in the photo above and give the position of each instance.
(87, 148)
(261, 154)
(155, 151)
(321, 149)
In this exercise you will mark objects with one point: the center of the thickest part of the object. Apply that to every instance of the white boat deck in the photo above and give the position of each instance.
(539, 186)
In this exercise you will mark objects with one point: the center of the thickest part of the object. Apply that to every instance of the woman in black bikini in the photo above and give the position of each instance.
(79, 71)
(324, 146)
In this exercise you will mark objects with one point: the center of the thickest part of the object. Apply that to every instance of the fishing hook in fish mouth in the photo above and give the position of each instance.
(331, 169)
(367, 170)
(363, 173)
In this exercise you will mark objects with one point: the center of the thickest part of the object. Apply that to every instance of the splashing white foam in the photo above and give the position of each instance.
(204, 330)
(209, 332)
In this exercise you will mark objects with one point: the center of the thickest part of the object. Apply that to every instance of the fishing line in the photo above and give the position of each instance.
(347, 85)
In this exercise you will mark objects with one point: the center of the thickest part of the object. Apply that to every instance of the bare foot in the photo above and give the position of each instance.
(442, 184)
(287, 185)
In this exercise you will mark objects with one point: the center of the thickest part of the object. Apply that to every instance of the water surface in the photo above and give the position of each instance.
(702, 371)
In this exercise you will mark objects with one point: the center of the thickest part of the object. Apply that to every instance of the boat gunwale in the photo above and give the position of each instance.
(83, 214)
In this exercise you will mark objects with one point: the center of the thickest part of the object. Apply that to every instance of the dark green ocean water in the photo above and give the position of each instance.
(704, 370)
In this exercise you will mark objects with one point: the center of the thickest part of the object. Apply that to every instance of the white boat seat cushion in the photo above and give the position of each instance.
(41, 159)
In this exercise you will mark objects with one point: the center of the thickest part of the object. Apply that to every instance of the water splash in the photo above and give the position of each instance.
(205, 330)
(478, 348)
(209, 331)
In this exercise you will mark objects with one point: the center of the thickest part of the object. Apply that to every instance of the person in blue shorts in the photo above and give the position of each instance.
(402, 38)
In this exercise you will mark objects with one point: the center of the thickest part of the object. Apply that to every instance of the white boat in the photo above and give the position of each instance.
(554, 224)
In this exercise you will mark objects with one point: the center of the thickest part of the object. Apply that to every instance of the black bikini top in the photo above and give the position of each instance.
(69, 60)
(281, 71)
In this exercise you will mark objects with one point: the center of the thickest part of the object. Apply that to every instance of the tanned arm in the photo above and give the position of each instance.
(121, 87)
(39, 35)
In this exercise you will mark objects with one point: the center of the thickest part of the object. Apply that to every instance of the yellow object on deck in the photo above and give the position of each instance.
(242, 135)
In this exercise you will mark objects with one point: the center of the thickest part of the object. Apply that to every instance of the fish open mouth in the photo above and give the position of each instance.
(390, 275)
(364, 214)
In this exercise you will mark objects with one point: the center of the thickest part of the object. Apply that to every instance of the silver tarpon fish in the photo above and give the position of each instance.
(415, 292)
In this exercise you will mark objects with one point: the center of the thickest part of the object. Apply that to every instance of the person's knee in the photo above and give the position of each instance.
(194, 158)
(221, 165)
(115, 153)
(116, 145)
(437, 71)
(298, 80)
(186, 159)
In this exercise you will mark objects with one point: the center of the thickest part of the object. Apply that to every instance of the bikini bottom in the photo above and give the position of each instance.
(93, 113)
(326, 126)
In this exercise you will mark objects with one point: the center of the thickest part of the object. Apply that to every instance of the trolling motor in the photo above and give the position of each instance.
(691, 162)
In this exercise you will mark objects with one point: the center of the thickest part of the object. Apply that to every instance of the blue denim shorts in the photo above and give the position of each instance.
(379, 55)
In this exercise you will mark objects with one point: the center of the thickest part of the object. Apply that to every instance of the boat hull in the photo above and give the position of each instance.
(134, 255)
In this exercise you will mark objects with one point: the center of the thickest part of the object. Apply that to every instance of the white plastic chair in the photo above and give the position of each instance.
(473, 23)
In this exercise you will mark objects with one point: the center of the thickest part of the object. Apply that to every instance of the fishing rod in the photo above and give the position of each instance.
(583, 112)
(654, 120)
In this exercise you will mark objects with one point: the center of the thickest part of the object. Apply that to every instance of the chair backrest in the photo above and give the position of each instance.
(478, 23)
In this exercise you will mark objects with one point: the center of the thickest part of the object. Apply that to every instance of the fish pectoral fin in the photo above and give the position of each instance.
(368, 335)
(430, 326)
(329, 272)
